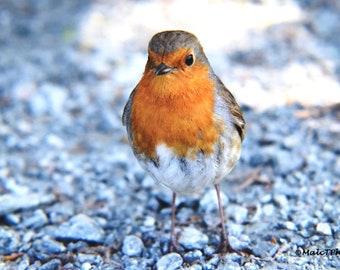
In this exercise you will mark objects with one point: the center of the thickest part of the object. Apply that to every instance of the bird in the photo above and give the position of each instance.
(183, 124)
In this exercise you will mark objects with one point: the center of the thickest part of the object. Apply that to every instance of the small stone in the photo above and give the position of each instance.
(60, 211)
(288, 162)
(48, 246)
(93, 259)
(306, 233)
(212, 263)
(148, 182)
(192, 256)
(9, 241)
(192, 238)
(195, 267)
(132, 245)
(80, 227)
(54, 141)
(52, 264)
(305, 221)
(37, 220)
(229, 262)
(239, 243)
(171, 261)
(324, 228)
(239, 213)
(265, 249)
(24, 263)
(266, 198)
(16, 189)
(268, 209)
(290, 226)
(77, 246)
(281, 200)
(13, 202)
(235, 229)
(209, 202)
(258, 159)
(291, 142)
(149, 221)
(251, 266)
(209, 250)
(13, 219)
(86, 266)
(336, 167)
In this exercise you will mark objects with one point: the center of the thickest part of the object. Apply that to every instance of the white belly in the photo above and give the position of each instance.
(185, 175)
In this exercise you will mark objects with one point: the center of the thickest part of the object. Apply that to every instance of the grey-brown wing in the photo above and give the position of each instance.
(127, 110)
(235, 110)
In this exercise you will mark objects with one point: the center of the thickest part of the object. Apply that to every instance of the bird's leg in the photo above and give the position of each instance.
(224, 246)
(173, 247)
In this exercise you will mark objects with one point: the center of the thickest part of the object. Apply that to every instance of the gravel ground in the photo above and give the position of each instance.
(72, 195)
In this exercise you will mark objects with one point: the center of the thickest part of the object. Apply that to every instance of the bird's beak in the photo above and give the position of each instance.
(163, 69)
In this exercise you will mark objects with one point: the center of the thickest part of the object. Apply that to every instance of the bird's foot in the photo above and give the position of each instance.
(225, 247)
(173, 246)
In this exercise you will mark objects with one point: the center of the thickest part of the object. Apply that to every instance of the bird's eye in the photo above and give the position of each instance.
(189, 60)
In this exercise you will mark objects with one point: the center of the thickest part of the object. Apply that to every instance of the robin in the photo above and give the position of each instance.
(183, 124)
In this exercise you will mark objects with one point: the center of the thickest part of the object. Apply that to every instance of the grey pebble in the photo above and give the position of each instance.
(265, 249)
(192, 256)
(230, 261)
(149, 222)
(24, 262)
(37, 220)
(209, 250)
(241, 242)
(13, 219)
(235, 229)
(51, 265)
(93, 259)
(86, 266)
(13, 202)
(192, 238)
(266, 198)
(80, 227)
(324, 228)
(290, 226)
(171, 261)
(77, 246)
(60, 211)
(184, 214)
(251, 266)
(237, 212)
(258, 159)
(48, 246)
(268, 209)
(9, 241)
(194, 267)
(286, 161)
(281, 200)
(213, 262)
(132, 245)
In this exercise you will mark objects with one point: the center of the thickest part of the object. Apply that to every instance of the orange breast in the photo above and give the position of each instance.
(175, 109)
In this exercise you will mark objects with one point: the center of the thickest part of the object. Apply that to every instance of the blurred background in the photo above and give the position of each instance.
(269, 53)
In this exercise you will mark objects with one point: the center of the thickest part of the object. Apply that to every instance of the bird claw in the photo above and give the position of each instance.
(173, 246)
(225, 247)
